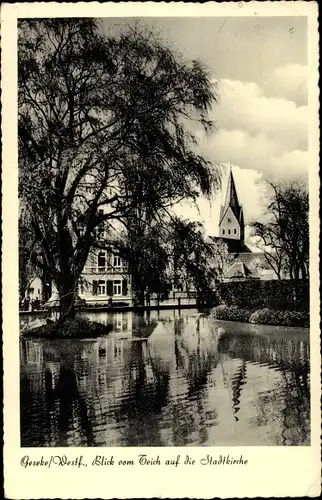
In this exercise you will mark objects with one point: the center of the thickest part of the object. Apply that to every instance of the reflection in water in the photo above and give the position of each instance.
(167, 379)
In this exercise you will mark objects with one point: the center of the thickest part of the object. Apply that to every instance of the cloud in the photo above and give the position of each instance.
(292, 163)
(257, 152)
(290, 82)
(253, 131)
(251, 191)
(243, 106)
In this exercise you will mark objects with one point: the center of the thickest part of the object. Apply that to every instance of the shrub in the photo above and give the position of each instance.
(262, 316)
(71, 328)
(284, 318)
(265, 316)
(232, 313)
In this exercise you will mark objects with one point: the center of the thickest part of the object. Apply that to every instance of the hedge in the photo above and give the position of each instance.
(289, 295)
(262, 316)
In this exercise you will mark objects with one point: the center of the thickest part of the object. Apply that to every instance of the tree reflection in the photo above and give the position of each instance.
(148, 395)
(195, 359)
(71, 404)
(290, 357)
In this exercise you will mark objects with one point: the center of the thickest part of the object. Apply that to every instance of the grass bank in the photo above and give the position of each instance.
(262, 316)
(70, 329)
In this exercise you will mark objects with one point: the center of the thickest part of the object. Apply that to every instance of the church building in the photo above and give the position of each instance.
(232, 233)
(232, 225)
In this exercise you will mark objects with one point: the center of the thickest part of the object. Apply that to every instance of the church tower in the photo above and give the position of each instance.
(231, 220)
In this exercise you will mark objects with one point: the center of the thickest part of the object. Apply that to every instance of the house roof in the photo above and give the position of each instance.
(239, 270)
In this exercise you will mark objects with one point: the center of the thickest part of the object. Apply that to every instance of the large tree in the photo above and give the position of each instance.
(172, 252)
(283, 235)
(27, 271)
(102, 123)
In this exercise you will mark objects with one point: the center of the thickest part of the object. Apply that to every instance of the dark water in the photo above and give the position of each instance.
(168, 380)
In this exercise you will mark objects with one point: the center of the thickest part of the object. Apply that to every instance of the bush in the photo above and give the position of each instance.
(265, 316)
(69, 329)
(232, 313)
(262, 316)
(283, 318)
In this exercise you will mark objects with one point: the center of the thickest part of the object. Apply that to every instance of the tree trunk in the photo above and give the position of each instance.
(67, 296)
(46, 285)
(139, 296)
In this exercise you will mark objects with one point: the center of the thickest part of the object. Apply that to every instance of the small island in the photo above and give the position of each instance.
(71, 328)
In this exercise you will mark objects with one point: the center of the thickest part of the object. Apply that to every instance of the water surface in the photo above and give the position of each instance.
(168, 379)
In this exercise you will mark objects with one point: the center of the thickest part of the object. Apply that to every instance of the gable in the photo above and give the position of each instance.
(229, 218)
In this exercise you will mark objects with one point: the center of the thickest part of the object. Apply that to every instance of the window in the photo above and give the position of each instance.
(223, 231)
(101, 288)
(101, 261)
(235, 231)
(229, 221)
(124, 288)
(117, 287)
(229, 231)
(117, 261)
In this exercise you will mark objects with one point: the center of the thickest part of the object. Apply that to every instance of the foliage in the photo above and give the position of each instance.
(285, 318)
(256, 266)
(193, 257)
(71, 328)
(231, 313)
(162, 255)
(223, 260)
(273, 294)
(27, 272)
(261, 316)
(284, 234)
(102, 138)
(145, 249)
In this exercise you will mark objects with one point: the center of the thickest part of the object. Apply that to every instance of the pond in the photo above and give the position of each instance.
(168, 378)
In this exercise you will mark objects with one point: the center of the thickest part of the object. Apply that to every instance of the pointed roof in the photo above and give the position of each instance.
(239, 270)
(231, 199)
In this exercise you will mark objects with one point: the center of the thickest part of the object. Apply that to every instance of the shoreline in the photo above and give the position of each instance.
(119, 309)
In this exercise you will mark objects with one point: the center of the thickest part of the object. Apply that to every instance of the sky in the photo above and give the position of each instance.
(259, 67)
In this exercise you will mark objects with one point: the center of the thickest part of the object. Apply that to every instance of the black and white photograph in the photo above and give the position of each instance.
(163, 232)
(167, 218)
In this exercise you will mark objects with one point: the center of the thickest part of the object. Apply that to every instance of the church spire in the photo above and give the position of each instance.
(231, 222)
(231, 196)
